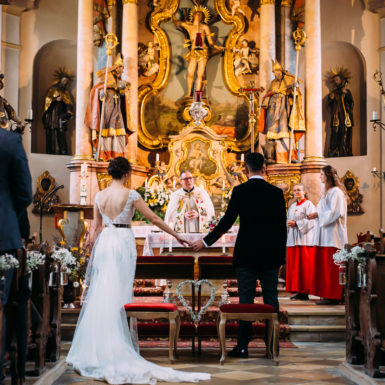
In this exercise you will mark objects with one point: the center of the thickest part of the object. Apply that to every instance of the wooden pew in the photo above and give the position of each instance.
(372, 316)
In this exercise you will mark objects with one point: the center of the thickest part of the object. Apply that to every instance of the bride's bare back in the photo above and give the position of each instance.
(112, 200)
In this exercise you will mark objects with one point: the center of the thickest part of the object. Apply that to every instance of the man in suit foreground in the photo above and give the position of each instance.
(15, 196)
(260, 248)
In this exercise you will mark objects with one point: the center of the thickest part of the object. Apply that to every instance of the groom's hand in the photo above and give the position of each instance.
(197, 245)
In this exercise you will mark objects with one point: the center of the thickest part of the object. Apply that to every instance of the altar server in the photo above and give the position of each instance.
(330, 236)
(190, 208)
(300, 250)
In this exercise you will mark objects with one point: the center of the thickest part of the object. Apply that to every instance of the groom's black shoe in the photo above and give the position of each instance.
(238, 352)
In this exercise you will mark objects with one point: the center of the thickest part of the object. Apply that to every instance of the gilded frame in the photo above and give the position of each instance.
(163, 13)
(210, 156)
(62, 222)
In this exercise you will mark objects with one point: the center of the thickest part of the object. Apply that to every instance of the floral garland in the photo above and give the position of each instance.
(8, 261)
(194, 316)
(342, 256)
(34, 260)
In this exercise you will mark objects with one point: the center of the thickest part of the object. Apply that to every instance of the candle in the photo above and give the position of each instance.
(170, 239)
(374, 169)
(29, 114)
(85, 167)
(375, 115)
(223, 185)
(146, 183)
(223, 240)
(242, 157)
(173, 184)
(157, 158)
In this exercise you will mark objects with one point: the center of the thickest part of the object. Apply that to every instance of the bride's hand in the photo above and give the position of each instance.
(183, 241)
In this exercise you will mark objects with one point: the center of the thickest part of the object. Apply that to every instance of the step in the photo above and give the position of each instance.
(317, 333)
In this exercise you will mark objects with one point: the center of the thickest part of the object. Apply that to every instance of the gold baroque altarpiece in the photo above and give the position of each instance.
(162, 13)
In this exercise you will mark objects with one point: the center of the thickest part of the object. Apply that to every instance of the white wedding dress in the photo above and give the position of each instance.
(102, 347)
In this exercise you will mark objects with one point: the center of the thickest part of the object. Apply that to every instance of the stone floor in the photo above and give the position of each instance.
(309, 363)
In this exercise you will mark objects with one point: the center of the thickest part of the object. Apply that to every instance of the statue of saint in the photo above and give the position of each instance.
(58, 108)
(199, 54)
(278, 115)
(340, 103)
(8, 114)
(117, 122)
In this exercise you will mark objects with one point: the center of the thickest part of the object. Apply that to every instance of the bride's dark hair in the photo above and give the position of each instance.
(118, 167)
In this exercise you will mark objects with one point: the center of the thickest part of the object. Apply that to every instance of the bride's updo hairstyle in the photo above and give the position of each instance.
(119, 167)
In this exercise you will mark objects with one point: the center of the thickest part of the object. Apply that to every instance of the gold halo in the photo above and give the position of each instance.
(340, 71)
(199, 8)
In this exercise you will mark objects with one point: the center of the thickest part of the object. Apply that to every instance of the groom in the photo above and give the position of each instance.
(260, 248)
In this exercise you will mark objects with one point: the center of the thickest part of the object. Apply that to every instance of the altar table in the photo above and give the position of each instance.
(166, 242)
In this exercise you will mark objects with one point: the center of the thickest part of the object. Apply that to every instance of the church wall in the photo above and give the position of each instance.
(347, 23)
(51, 21)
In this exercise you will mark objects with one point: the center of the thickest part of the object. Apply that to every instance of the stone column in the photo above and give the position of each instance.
(314, 160)
(84, 77)
(130, 55)
(84, 70)
(267, 42)
(287, 50)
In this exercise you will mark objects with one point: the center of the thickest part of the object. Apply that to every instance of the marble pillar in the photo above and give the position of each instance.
(84, 71)
(130, 55)
(286, 53)
(314, 160)
(267, 42)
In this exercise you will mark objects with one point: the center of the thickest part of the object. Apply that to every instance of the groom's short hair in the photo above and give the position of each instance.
(254, 161)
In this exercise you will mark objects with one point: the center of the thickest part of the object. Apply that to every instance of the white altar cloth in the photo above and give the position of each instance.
(164, 241)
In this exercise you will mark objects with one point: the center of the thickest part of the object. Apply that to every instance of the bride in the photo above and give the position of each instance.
(103, 347)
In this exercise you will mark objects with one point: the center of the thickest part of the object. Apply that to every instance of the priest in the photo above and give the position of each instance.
(190, 208)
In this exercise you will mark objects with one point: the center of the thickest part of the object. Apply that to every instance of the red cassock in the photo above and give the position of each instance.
(300, 250)
(299, 265)
(324, 281)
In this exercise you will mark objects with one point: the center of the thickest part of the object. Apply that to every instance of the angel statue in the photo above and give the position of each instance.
(200, 39)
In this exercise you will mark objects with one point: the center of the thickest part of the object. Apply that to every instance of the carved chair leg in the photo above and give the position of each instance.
(275, 342)
(222, 337)
(171, 341)
(177, 335)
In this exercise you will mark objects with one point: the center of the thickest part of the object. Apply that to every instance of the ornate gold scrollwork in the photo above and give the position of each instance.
(147, 90)
(239, 24)
(285, 182)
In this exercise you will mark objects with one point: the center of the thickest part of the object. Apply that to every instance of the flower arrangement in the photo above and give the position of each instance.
(63, 256)
(157, 199)
(34, 260)
(342, 256)
(209, 226)
(82, 257)
(8, 261)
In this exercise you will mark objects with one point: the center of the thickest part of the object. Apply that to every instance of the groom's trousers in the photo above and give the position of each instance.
(247, 282)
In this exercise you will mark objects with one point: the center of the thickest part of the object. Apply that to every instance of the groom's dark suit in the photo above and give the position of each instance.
(260, 248)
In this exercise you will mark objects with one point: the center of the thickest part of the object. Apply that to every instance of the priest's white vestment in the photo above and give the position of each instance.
(181, 201)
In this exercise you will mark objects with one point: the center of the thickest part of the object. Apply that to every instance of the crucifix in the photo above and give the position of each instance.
(251, 91)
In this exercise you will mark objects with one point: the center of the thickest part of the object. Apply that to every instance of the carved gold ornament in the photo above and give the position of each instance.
(285, 182)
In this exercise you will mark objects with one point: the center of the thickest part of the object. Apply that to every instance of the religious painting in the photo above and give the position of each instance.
(351, 184)
(171, 69)
(197, 158)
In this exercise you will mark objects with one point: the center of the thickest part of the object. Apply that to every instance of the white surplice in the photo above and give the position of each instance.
(102, 347)
(182, 201)
(330, 230)
(303, 233)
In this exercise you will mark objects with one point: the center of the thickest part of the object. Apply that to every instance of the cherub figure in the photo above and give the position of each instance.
(236, 7)
(147, 58)
(196, 158)
(241, 60)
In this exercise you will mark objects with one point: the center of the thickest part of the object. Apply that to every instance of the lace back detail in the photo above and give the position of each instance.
(127, 213)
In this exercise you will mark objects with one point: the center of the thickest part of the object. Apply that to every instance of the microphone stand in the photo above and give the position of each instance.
(41, 210)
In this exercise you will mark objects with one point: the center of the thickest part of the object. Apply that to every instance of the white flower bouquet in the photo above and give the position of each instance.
(64, 257)
(8, 261)
(34, 260)
(342, 256)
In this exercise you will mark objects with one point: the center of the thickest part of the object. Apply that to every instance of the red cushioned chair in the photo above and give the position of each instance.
(250, 312)
(150, 311)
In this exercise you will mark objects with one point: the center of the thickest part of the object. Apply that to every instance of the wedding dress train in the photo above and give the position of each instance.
(102, 347)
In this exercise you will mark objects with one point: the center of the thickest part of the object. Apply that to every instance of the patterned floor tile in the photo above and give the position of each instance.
(239, 375)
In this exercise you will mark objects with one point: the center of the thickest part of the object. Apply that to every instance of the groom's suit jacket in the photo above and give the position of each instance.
(261, 240)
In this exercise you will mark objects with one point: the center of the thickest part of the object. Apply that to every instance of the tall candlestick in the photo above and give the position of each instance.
(223, 240)
(170, 238)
